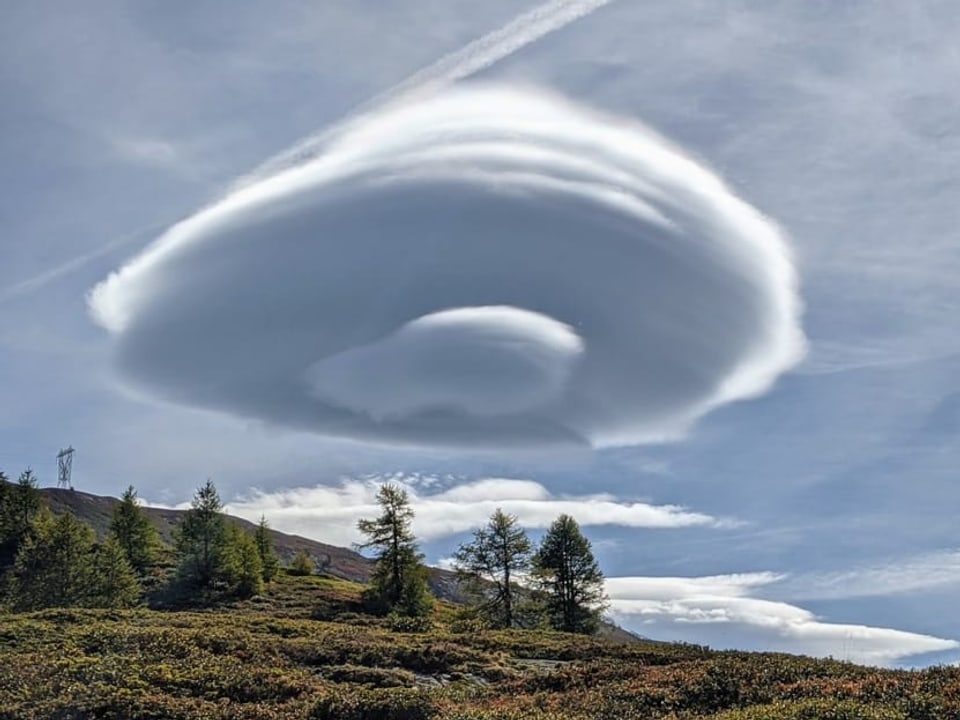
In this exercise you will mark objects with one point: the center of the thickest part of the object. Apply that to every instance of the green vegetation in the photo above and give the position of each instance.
(488, 567)
(268, 658)
(399, 582)
(301, 564)
(269, 562)
(570, 577)
(59, 565)
(19, 506)
(134, 532)
(305, 647)
(201, 542)
(243, 569)
(114, 583)
(49, 561)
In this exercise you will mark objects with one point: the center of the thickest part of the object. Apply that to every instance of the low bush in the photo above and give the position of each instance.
(375, 677)
(374, 704)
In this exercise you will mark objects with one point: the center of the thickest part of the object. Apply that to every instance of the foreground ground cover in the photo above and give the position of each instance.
(303, 650)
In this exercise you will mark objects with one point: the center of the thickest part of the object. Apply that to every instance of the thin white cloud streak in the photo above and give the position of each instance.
(827, 358)
(149, 151)
(496, 46)
(682, 296)
(901, 576)
(716, 608)
(482, 53)
(478, 55)
(41, 280)
(330, 513)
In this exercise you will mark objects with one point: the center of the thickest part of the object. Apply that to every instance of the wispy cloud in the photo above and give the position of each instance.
(36, 282)
(149, 151)
(898, 576)
(330, 513)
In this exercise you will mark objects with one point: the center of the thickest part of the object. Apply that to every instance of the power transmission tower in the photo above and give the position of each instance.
(65, 468)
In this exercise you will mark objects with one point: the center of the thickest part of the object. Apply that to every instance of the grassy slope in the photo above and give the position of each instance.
(303, 651)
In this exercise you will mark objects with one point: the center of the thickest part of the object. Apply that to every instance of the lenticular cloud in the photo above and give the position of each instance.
(485, 267)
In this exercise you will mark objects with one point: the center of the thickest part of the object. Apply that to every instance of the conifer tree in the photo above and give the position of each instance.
(570, 577)
(201, 539)
(54, 566)
(20, 505)
(498, 553)
(114, 580)
(4, 490)
(268, 555)
(134, 532)
(399, 581)
(25, 501)
(241, 568)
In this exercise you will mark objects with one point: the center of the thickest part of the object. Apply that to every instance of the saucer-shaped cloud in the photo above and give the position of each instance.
(485, 267)
(483, 361)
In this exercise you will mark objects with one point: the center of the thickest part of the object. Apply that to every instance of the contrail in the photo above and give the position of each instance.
(469, 60)
(495, 46)
(41, 280)
(478, 55)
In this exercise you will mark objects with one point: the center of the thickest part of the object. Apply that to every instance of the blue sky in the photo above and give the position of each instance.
(817, 517)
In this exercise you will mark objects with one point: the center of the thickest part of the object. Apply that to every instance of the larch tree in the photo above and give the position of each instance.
(399, 581)
(54, 566)
(241, 567)
(201, 539)
(20, 504)
(268, 554)
(134, 532)
(114, 581)
(489, 566)
(570, 577)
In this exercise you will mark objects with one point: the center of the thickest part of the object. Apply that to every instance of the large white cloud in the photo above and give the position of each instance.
(723, 611)
(330, 513)
(489, 266)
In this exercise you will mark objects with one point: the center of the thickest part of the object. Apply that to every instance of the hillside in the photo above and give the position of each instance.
(303, 651)
(338, 562)
(331, 560)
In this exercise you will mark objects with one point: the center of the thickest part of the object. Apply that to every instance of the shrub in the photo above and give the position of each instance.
(814, 709)
(409, 624)
(374, 704)
(375, 677)
(302, 565)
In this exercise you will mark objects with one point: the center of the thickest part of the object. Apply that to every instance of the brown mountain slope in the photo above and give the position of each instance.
(332, 560)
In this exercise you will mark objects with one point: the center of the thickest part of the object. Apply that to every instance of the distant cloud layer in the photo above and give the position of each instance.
(726, 613)
(485, 267)
(927, 571)
(330, 513)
